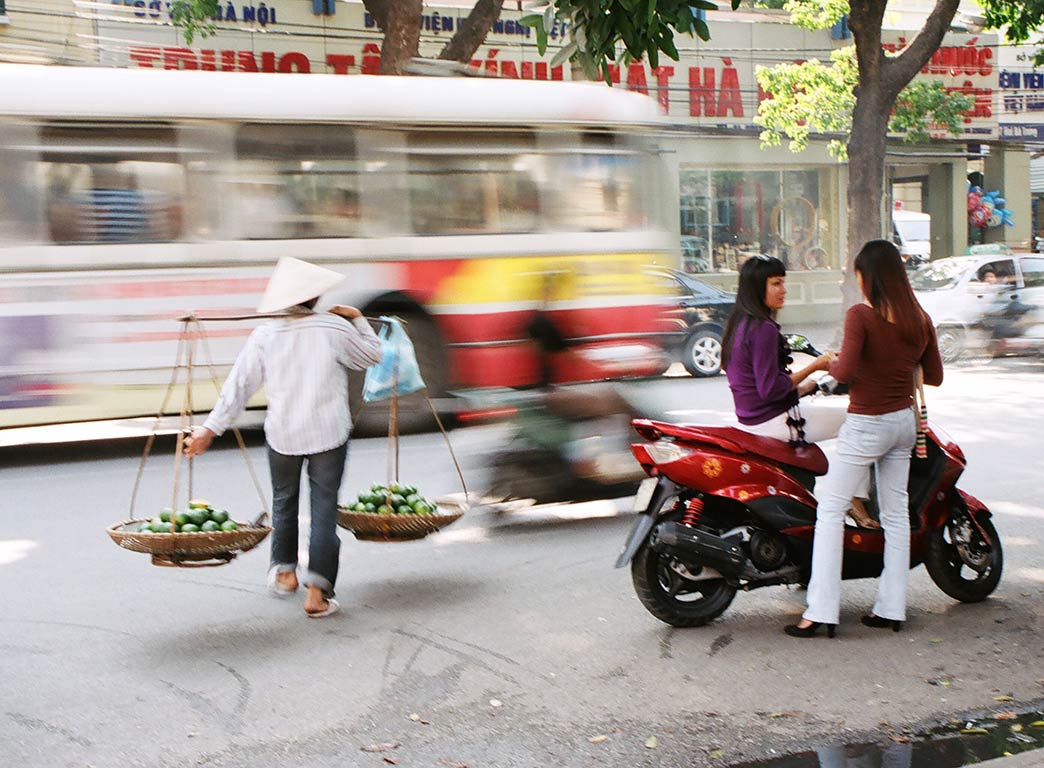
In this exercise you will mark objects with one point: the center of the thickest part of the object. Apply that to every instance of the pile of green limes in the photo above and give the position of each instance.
(394, 499)
(200, 517)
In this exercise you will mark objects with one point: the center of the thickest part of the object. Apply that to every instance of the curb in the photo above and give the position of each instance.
(1034, 759)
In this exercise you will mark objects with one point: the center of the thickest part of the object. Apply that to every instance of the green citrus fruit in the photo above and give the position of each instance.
(404, 509)
(145, 527)
(165, 514)
(197, 516)
(219, 516)
(412, 499)
(370, 507)
(384, 509)
(180, 518)
(190, 528)
(161, 527)
(210, 525)
(229, 525)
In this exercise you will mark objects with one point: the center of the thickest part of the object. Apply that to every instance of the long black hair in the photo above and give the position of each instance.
(750, 297)
(888, 290)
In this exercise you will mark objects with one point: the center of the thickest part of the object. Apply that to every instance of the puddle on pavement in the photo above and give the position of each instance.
(950, 746)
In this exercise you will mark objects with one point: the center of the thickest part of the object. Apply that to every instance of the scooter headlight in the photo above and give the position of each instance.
(663, 452)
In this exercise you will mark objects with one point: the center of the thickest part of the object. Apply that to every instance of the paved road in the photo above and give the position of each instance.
(510, 638)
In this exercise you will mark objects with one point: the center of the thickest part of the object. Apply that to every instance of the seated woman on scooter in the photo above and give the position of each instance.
(756, 358)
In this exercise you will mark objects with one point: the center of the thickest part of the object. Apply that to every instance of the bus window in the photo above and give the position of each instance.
(112, 184)
(297, 181)
(19, 193)
(598, 184)
(482, 183)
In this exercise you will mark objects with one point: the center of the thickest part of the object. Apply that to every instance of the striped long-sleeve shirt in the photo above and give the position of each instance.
(303, 364)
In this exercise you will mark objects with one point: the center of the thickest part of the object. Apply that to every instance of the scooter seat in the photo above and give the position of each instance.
(808, 457)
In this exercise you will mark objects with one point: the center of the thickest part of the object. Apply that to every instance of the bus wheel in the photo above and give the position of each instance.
(414, 412)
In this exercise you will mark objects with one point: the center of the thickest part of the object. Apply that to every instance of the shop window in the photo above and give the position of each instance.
(727, 216)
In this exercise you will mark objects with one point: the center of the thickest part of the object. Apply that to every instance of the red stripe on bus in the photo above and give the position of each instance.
(143, 289)
(499, 326)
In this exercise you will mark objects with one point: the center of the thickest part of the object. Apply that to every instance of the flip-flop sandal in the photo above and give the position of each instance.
(332, 606)
(275, 587)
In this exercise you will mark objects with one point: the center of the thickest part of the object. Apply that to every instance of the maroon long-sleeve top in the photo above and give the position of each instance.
(878, 364)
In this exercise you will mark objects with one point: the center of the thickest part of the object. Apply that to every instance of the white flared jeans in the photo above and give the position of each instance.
(886, 442)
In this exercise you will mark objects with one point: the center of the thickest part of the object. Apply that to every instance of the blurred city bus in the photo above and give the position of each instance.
(465, 206)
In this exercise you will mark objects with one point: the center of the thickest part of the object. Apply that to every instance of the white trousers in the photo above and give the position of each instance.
(822, 422)
(885, 441)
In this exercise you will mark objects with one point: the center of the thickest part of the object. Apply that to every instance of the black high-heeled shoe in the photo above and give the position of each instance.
(878, 623)
(810, 631)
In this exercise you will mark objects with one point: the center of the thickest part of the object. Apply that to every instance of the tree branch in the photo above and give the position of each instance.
(472, 31)
(378, 9)
(904, 67)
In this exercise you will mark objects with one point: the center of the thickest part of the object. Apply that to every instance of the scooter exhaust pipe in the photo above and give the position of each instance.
(692, 546)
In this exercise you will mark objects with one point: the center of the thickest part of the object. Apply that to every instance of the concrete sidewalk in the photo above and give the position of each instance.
(1034, 759)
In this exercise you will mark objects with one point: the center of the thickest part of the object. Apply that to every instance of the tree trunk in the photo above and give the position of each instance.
(472, 31)
(866, 179)
(881, 78)
(400, 21)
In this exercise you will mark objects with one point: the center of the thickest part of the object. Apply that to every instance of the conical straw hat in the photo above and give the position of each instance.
(295, 281)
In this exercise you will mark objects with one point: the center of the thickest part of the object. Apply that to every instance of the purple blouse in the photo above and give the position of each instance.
(761, 387)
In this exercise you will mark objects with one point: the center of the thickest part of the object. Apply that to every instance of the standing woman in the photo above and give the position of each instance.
(886, 337)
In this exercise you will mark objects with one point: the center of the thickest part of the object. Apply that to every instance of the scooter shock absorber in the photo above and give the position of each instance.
(693, 510)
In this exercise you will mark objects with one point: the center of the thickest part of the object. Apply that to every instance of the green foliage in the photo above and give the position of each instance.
(604, 32)
(194, 17)
(1022, 20)
(816, 14)
(814, 97)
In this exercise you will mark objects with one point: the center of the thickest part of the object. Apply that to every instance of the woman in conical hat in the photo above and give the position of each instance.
(302, 358)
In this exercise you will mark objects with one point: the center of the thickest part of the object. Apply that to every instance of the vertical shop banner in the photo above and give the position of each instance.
(1021, 100)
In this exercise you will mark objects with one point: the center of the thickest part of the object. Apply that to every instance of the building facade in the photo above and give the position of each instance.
(734, 198)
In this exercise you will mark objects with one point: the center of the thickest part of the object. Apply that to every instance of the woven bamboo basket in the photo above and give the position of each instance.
(367, 526)
(189, 549)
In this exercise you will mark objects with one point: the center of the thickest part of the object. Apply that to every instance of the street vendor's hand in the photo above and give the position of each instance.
(348, 313)
(198, 441)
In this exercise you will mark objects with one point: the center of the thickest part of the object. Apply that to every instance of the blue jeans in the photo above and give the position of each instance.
(886, 442)
(325, 471)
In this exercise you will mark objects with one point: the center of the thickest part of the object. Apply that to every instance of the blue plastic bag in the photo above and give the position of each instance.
(397, 372)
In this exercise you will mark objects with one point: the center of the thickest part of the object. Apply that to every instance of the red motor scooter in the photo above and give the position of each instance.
(724, 510)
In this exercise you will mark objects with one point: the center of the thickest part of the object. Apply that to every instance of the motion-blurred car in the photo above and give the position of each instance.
(957, 293)
(697, 321)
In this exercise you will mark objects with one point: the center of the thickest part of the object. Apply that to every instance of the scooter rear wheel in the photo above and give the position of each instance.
(962, 563)
(671, 597)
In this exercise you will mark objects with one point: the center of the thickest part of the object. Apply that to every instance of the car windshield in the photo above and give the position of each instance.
(939, 275)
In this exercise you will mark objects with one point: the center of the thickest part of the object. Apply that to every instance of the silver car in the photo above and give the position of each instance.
(958, 292)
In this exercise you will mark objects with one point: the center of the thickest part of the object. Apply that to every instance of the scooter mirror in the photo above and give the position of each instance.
(799, 343)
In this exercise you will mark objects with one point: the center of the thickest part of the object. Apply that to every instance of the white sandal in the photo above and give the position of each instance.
(274, 586)
(332, 606)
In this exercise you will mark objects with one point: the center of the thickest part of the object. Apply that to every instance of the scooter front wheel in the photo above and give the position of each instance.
(668, 594)
(965, 558)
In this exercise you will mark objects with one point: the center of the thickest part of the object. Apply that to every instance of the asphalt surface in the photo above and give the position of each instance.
(506, 640)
